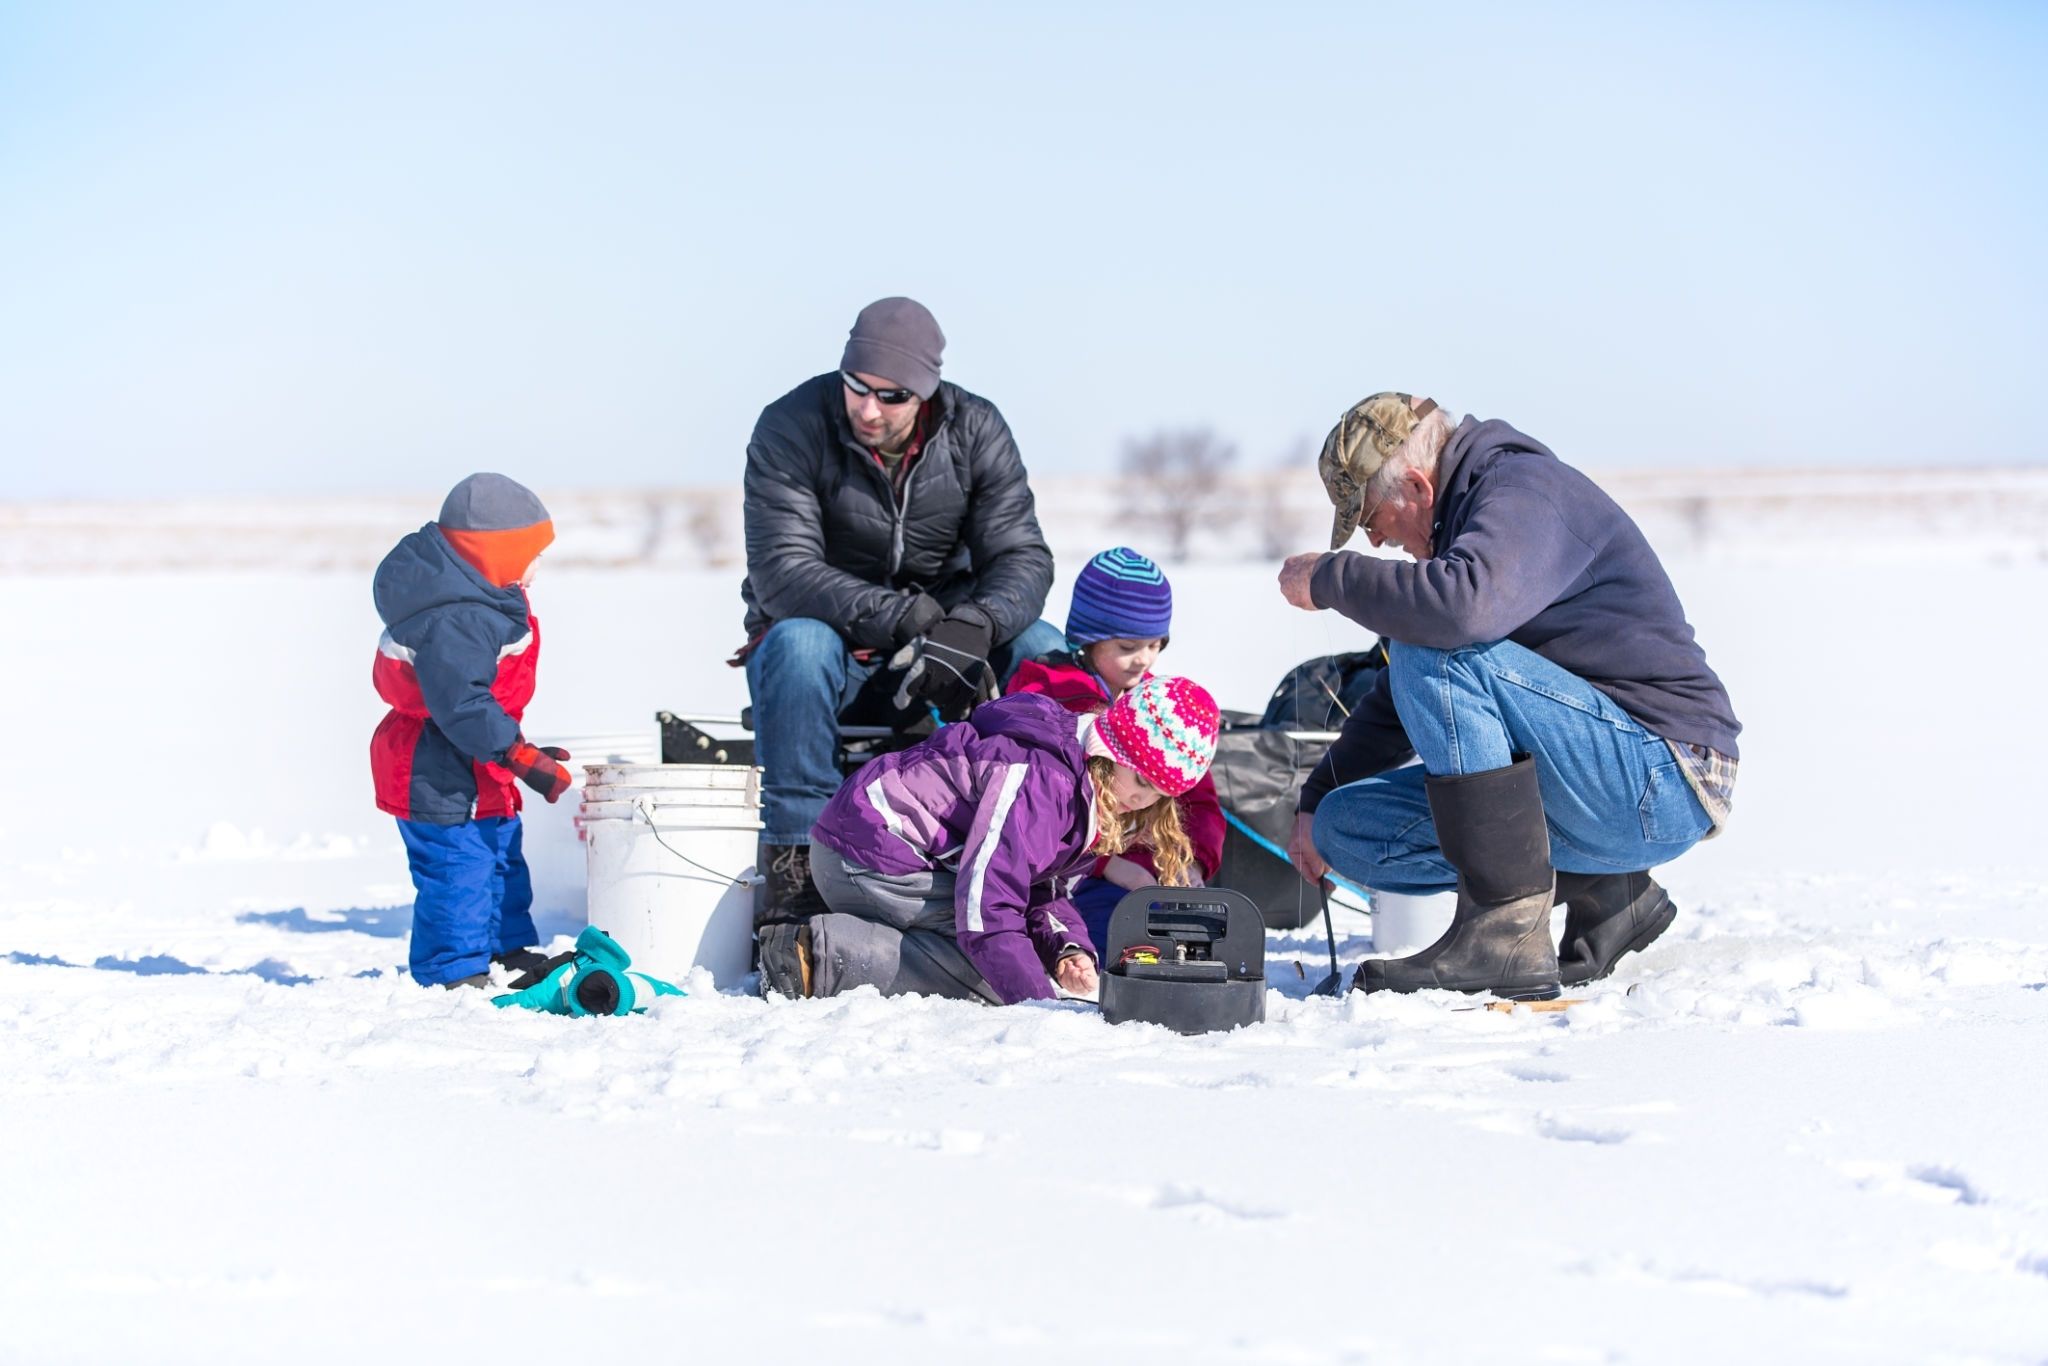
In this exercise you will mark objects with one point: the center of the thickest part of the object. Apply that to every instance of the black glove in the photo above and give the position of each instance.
(949, 668)
(923, 613)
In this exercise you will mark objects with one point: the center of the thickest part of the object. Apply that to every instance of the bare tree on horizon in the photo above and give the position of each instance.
(1173, 484)
(1280, 525)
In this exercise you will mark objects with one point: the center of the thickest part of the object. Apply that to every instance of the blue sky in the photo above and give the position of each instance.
(373, 247)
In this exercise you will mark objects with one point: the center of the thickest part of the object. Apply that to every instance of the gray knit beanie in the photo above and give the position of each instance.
(491, 502)
(896, 339)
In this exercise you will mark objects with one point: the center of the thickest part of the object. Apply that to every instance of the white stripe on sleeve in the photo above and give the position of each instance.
(1012, 780)
(880, 801)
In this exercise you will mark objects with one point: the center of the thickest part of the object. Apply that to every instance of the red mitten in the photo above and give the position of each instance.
(539, 769)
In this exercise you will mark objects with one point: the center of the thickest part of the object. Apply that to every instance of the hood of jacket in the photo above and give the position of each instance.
(1033, 720)
(424, 573)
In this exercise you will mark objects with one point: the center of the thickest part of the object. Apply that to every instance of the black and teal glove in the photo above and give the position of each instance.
(948, 668)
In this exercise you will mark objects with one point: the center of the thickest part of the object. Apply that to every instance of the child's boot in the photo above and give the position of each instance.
(786, 960)
(785, 895)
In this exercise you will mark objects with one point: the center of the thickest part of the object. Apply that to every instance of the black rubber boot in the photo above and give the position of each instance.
(1607, 915)
(1491, 828)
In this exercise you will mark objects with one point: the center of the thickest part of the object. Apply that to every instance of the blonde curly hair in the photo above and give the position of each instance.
(1158, 827)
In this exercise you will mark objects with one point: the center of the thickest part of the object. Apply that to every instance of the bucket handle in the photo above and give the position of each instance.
(643, 809)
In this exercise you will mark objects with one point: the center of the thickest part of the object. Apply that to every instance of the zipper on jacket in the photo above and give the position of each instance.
(867, 461)
(902, 515)
(899, 507)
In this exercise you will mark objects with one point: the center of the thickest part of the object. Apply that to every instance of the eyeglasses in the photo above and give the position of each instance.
(893, 398)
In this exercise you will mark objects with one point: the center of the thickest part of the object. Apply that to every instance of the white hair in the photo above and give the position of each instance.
(1420, 452)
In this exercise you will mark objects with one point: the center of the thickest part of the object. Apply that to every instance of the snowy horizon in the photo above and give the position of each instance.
(1995, 514)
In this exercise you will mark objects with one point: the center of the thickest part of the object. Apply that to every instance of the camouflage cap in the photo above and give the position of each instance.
(1364, 439)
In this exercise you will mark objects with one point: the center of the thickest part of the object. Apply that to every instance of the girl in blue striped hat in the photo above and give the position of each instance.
(1120, 620)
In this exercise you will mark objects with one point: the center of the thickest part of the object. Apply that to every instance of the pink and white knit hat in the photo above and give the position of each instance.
(1165, 729)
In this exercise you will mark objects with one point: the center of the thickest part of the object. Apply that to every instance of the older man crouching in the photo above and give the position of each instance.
(1571, 734)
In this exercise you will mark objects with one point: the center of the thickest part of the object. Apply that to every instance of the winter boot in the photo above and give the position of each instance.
(1491, 827)
(785, 960)
(786, 895)
(1607, 915)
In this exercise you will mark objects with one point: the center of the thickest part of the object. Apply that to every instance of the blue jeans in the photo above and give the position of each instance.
(472, 898)
(804, 681)
(1613, 794)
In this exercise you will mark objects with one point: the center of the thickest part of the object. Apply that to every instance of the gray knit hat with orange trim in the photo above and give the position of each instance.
(497, 524)
(490, 502)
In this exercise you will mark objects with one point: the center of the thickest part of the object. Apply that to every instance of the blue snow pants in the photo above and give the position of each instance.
(472, 898)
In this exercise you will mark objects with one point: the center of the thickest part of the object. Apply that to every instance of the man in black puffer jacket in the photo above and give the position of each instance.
(893, 550)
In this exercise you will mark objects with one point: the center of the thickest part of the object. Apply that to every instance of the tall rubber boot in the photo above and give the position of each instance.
(1491, 827)
(1607, 915)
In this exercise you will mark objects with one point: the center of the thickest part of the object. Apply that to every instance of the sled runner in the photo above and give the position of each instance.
(682, 742)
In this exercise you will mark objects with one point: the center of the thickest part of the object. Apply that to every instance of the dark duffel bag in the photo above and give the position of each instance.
(1318, 694)
(1260, 766)
(1258, 775)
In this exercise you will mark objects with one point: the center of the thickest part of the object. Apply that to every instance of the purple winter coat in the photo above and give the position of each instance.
(1002, 798)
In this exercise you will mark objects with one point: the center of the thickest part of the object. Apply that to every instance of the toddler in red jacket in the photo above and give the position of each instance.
(1119, 621)
(457, 662)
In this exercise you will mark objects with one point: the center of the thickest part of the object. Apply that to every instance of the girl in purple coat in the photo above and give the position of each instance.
(946, 866)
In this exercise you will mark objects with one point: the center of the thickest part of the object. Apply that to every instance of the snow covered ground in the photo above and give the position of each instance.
(1806, 1126)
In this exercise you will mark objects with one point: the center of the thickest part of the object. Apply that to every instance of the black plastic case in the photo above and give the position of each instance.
(1211, 972)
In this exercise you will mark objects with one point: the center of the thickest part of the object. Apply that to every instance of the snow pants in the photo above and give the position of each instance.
(472, 896)
(893, 933)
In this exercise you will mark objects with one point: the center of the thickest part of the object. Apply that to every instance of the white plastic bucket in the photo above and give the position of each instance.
(554, 844)
(1403, 924)
(671, 859)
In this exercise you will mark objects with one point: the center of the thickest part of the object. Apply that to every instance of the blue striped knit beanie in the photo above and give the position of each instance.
(1120, 595)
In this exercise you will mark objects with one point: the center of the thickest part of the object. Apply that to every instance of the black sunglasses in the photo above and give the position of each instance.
(891, 397)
